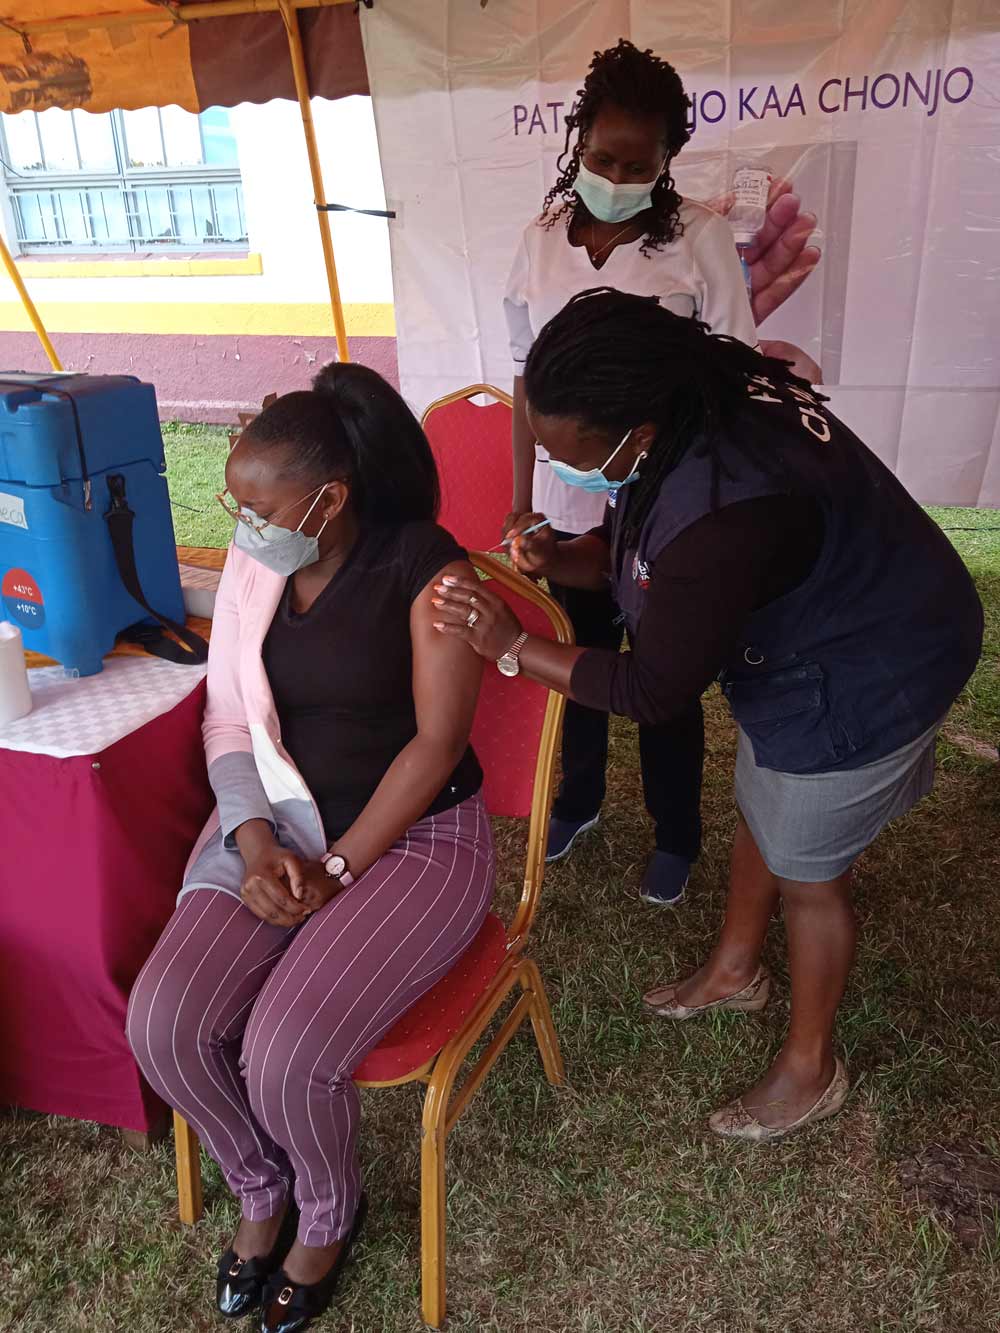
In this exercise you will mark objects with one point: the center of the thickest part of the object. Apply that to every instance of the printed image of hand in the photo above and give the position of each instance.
(801, 362)
(781, 257)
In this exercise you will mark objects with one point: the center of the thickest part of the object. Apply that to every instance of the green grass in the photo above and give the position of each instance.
(606, 1207)
(976, 535)
(196, 464)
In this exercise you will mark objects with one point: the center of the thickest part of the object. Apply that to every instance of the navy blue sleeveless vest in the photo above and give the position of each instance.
(874, 647)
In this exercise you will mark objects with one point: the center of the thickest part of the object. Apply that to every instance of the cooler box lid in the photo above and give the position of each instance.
(62, 427)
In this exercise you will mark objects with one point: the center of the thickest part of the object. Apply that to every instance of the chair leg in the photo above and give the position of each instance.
(187, 1148)
(541, 1020)
(440, 1110)
(432, 1209)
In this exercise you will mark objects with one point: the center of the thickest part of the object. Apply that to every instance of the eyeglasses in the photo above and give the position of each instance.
(254, 523)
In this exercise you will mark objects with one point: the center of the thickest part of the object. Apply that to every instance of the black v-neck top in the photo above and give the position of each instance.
(341, 674)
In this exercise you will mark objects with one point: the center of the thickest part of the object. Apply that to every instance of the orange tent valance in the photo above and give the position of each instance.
(133, 53)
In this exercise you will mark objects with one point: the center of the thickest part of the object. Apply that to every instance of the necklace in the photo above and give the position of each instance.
(607, 244)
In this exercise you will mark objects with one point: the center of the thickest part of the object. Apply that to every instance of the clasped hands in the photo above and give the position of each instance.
(280, 887)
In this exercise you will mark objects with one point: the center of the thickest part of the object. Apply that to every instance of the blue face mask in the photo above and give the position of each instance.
(594, 479)
(279, 549)
(613, 203)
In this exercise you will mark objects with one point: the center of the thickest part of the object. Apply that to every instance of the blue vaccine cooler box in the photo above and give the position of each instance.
(74, 448)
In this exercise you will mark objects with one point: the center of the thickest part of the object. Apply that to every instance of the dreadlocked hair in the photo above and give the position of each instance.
(641, 83)
(614, 361)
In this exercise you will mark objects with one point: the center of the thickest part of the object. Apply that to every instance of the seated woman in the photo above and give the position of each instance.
(350, 862)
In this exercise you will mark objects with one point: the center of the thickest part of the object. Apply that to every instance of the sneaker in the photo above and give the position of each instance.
(563, 833)
(665, 879)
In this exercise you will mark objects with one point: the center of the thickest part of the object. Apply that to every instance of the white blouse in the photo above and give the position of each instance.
(697, 274)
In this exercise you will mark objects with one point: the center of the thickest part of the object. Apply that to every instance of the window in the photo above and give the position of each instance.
(123, 181)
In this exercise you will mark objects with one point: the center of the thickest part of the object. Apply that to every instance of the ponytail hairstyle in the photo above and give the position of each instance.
(353, 426)
(614, 361)
(643, 84)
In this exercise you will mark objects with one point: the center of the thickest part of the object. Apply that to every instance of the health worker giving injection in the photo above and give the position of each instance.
(749, 537)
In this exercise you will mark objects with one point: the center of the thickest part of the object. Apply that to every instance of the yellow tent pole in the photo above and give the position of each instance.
(291, 21)
(29, 305)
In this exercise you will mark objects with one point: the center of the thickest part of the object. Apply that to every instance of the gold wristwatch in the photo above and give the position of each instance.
(508, 665)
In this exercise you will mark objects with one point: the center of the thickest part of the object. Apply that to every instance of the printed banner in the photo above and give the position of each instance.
(883, 114)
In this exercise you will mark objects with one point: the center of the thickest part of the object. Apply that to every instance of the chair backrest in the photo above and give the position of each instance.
(471, 446)
(246, 417)
(516, 733)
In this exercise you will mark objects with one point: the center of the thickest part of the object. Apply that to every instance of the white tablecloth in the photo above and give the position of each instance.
(86, 715)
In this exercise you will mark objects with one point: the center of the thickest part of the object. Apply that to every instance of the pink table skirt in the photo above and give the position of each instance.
(93, 848)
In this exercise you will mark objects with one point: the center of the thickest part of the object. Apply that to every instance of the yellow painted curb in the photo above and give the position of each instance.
(209, 319)
(140, 268)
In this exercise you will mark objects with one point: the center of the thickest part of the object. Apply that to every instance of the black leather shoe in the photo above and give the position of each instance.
(290, 1306)
(239, 1288)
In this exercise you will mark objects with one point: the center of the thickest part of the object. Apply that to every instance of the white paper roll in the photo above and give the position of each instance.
(199, 587)
(15, 695)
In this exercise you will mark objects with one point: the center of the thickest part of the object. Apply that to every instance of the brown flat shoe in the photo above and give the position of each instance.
(735, 1121)
(751, 999)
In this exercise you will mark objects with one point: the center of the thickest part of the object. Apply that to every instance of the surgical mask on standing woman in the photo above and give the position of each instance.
(613, 203)
(280, 549)
(594, 479)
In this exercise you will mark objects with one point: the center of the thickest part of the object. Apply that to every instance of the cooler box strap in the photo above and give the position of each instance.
(120, 519)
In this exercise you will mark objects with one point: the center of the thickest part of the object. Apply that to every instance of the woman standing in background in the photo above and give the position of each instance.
(614, 210)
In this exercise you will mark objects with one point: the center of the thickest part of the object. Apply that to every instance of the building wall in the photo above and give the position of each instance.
(212, 332)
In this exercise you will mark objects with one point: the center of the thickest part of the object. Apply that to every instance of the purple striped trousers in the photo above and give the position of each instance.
(252, 1031)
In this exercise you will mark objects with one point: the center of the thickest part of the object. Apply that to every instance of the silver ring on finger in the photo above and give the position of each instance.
(471, 618)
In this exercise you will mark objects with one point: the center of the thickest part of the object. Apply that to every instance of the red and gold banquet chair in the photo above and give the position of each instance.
(516, 736)
(471, 446)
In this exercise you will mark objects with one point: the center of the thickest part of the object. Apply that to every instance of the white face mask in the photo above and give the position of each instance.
(280, 549)
(613, 203)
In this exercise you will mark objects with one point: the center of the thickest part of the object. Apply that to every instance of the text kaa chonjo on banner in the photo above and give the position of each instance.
(885, 116)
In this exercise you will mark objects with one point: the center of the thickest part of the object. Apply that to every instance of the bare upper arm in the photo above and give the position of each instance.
(446, 672)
